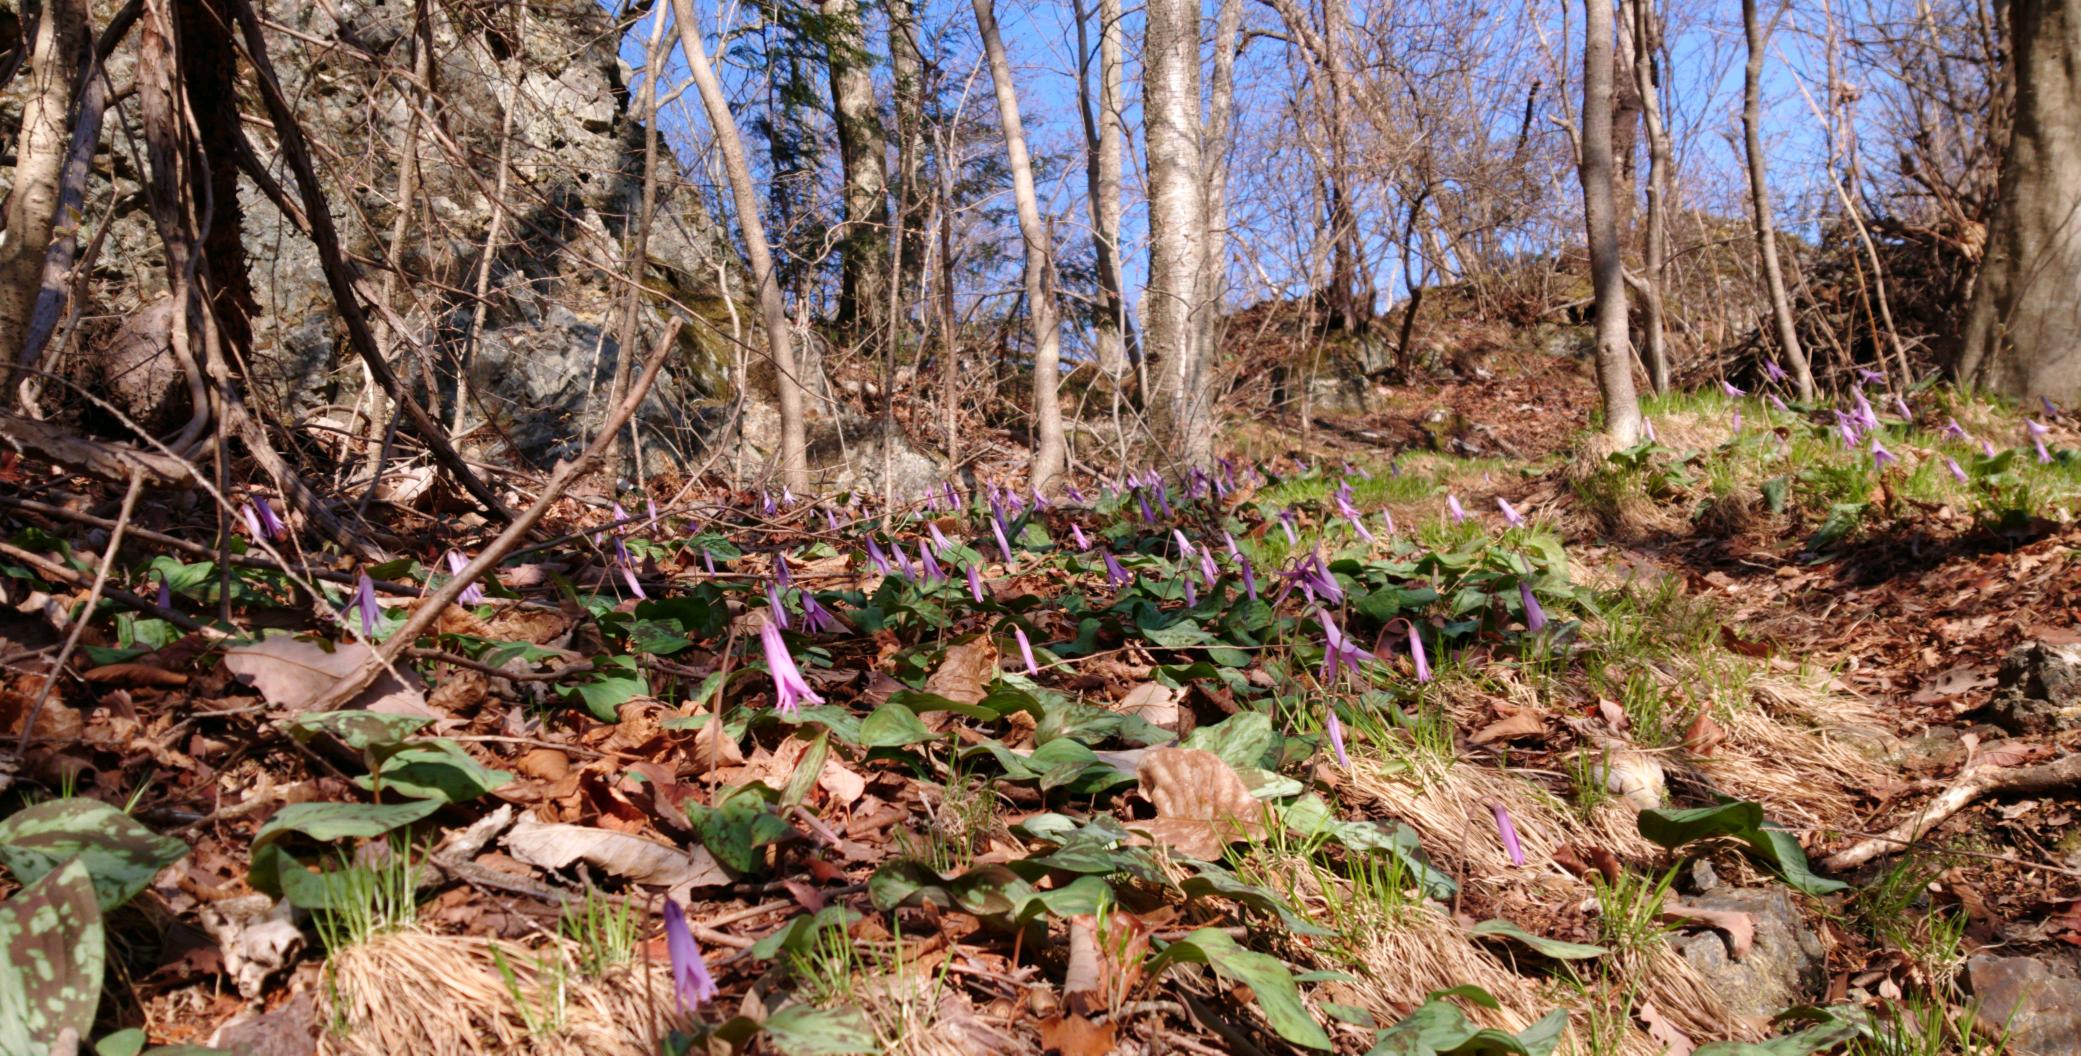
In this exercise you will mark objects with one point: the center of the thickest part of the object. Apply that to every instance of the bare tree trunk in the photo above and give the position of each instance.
(1614, 363)
(1177, 229)
(1221, 99)
(1102, 155)
(1647, 85)
(1759, 203)
(773, 312)
(2020, 335)
(636, 268)
(1041, 315)
(57, 54)
(863, 149)
(907, 65)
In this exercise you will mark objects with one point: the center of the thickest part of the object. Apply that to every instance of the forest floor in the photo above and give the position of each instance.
(1435, 718)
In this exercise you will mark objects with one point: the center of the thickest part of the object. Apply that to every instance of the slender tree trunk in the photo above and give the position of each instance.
(1647, 85)
(57, 54)
(1177, 228)
(1614, 361)
(2020, 336)
(863, 150)
(773, 312)
(1221, 98)
(907, 65)
(1048, 451)
(636, 270)
(1759, 203)
(1102, 156)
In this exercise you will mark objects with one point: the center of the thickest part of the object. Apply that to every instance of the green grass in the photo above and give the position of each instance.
(607, 932)
(368, 900)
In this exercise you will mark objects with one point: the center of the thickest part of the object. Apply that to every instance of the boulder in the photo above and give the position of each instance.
(2036, 1003)
(2038, 689)
(1784, 967)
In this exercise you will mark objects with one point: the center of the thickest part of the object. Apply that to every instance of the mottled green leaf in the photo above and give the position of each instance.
(805, 1030)
(51, 956)
(120, 855)
(1540, 944)
(339, 821)
(436, 769)
(1743, 820)
(1265, 975)
(359, 729)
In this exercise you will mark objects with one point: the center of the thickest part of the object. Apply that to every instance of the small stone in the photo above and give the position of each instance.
(2038, 689)
(1703, 879)
(1782, 969)
(2036, 1002)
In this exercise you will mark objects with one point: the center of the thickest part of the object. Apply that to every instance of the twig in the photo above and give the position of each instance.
(79, 626)
(2045, 777)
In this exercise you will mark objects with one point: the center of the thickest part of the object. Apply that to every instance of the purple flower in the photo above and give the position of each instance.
(1249, 578)
(1452, 506)
(1075, 495)
(650, 505)
(1207, 570)
(2036, 428)
(1076, 534)
(1952, 465)
(933, 573)
(1335, 729)
(472, 594)
(1191, 592)
(816, 619)
(1234, 551)
(1508, 831)
(1868, 376)
(1025, 649)
(787, 498)
(790, 691)
(1772, 371)
(627, 565)
(1338, 653)
(1902, 406)
(690, 978)
(1866, 417)
(1647, 429)
(773, 605)
(165, 598)
(780, 571)
(1736, 419)
(953, 501)
(1163, 497)
(902, 559)
(766, 504)
(1953, 430)
(1987, 448)
(2051, 409)
(1880, 456)
(874, 554)
(1423, 665)
(1286, 524)
(1115, 575)
(1777, 404)
(1004, 545)
(830, 521)
(1184, 547)
(1728, 388)
(1389, 520)
(975, 585)
(939, 539)
(268, 522)
(1535, 617)
(365, 600)
(1040, 501)
(2043, 455)
(1148, 515)
(1510, 515)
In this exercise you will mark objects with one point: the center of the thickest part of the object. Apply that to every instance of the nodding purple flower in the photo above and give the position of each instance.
(1866, 417)
(262, 522)
(1772, 371)
(939, 538)
(1510, 515)
(1075, 494)
(2036, 428)
(975, 585)
(1868, 376)
(1952, 465)
(1314, 579)
(1335, 729)
(1423, 664)
(874, 554)
(1953, 430)
(930, 564)
(780, 570)
(816, 619)
(1901, 405)
(1234, 551)
(1847, 429)
(1647, 429)
(650, 506)
(2051, 409)
(1535, 617)
(1728, 388)
(1191, 592)
(1358, 525)
(1344, 507)
(953, 501)
(1286, 525)
(1040, 501)
(773, 605)
(1076, 534)
(708, 562)
(1508, 831)
(472, 594)
(1338, 652)
(365, 600)
(1207, 571)
(1735, 419)
(627, 566)
(830, 521)
(1777, 404)
(1184, 545)
(1163, 497)
(690, 978)
(1148, 515)
(766, 504)
(1004, 545)
(1880, 456)
(1452, 506)
(1249, 577)
(1388, 519)
(790, 690)
(910, 571)
(1115, 575)
(1987, 448)
(165, 597)
(1025, 649)
(2043, 455)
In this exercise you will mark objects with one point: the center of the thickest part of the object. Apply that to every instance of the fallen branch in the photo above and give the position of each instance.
(96, 458)
(2045, 777)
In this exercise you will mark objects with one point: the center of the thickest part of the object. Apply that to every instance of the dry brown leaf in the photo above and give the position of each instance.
(1522, 722)
(291, 673)
(631, 858)
(1076, 1036)
(1674, 1040)
(1153, 703)
(543, 764)
(841, 783)
(1083, 983)
(1739, 927)
(967, 669)
(1704, 735)
(136, 674)
(1201, 803)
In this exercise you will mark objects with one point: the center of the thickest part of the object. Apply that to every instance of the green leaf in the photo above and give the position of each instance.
(120, 855)
(1214, 880)
(806, 770)
(436, 769)
(1241, 740)
(51, 956)
(1743, 820)
(1310, 816)
(893, 726)
(800, 932)
(1439, 1028)
(1265, 975)
(735, 830)
(805, 1030)
(359, 729)
(1817, 1038)
(615, 681)
(338, 821)
(1540, 944)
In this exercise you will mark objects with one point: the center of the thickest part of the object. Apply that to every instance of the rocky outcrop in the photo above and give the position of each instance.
(1782, 968)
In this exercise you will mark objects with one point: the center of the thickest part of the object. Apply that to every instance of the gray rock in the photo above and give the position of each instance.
(2038, 689)
(1784, 967)
(2037, 1003)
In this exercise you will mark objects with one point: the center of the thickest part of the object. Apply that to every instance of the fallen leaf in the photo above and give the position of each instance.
(543, 764)
(1675, 1042)
(291, 673)
(1083, 985)
(1704, 735)
(1202, 804)
(1153, 703)
(1952, 683)
(631, 858)
(1076, 1036)
(840, 783)
(1739, 927)
(967, 668)
(1614, 716)
(1522, 722)
(135, 674)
